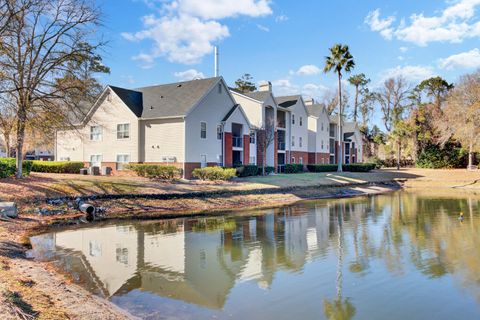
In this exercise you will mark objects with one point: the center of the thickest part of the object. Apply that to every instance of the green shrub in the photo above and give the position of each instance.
(214, 173)
(156, 171)
(8, 167)
(435, 157)
(322, 167)
(359, 167)
(268, 170)
(247, 170)
(379, 163)
(293, 168)
(57, 166)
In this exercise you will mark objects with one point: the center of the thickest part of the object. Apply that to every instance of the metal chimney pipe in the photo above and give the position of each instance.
(216, 60)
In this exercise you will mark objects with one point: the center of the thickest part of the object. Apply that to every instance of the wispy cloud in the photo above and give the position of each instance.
(455, 23)
(263, 28)
(188, 29)
(464, 60)
(410, 72)
(308, 70)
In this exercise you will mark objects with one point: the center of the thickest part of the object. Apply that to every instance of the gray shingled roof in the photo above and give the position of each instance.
(287, 101)
(315, 109)
(258, 95)
(174, 99)
(133, 99)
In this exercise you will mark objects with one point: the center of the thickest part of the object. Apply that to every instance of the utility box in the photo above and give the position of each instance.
(84, 171)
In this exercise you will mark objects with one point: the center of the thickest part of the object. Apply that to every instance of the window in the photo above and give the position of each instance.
(252, 136)
(123, 131)
(95, 133)
(322, 126)
(219, 132)
(252, 160)
(203, 130)
(293, 141)
(121, 255)
(293, 119)
(293, 160)
(122, 160)
(96, 160)
(322, 145)
(301, 121)
(219, 160)
(300, 160)
(219, 88)
(300, 142)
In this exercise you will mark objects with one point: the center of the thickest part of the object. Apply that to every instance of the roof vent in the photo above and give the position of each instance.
(179, 85)
(151, 107)
(161, 97)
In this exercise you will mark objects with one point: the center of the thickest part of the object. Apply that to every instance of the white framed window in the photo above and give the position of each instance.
(203, 160)
(322, 145)
(300, 160)
(123, 131)
(203, 130)
(293, 141)
(219, 160)
(252, 160)
(122, 160)
(252, 136)
(300, 142)
(322, 126)
(301, 121)
(96, 160)
(293, 118)
(96, 133)
(219, 132)
(293, 160)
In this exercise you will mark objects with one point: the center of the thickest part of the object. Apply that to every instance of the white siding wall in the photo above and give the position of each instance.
(312, 134)
(162, 138)
(237, 117)
(323, 135)
(252, 109)
(112, 111)
(298, 130)
(212, 110)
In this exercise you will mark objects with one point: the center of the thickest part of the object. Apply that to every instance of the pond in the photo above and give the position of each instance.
(402, 255)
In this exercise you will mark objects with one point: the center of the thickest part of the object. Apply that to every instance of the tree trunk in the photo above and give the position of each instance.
(399, 152)
(355, 110)
(470, 157)
(340, 153)
(21, 122)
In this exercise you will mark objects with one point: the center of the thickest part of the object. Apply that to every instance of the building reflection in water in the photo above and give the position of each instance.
(200, 260)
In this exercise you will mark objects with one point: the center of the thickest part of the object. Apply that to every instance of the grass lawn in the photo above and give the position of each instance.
(41, 185)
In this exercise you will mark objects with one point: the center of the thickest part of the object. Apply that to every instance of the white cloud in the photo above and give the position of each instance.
(380, 25)
(281, 18)
(189, 74)
(454, 24)
(403, 49)
(315, 91)
(410, 73)
(283, 87)
(188, 29)
(220, 9)
(263, 28)
(468, 59)
(308, 70)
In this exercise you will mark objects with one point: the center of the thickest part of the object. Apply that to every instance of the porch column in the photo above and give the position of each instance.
(228, 149)
(246, 149)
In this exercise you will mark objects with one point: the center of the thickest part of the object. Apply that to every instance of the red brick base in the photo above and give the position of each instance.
(297, 155)
(318, 158)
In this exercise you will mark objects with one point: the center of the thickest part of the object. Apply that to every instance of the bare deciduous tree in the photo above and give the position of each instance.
(39, 43)
(393, 99)
(461, 115)
(265, 138)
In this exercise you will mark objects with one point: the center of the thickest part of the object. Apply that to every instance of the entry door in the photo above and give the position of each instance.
(347, 152)
(203, 160)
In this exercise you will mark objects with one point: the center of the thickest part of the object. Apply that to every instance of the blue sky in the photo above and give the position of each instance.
(161, 41)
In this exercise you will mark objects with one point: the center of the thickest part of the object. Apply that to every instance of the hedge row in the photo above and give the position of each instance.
(353, 167)
(8, 167)
(57, 166)
(252, 170)
(214, 173)
(294, 168)
(155, 171)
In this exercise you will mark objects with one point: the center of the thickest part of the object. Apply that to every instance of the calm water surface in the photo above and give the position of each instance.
(396, 256)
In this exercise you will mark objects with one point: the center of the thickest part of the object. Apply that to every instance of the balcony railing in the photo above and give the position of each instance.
(237, 142)
(281, 146)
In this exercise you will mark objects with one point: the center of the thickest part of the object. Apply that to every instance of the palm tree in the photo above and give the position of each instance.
(339, 60)
(359, 81)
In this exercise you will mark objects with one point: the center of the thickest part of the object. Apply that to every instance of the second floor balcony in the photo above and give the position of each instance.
(237, 142)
